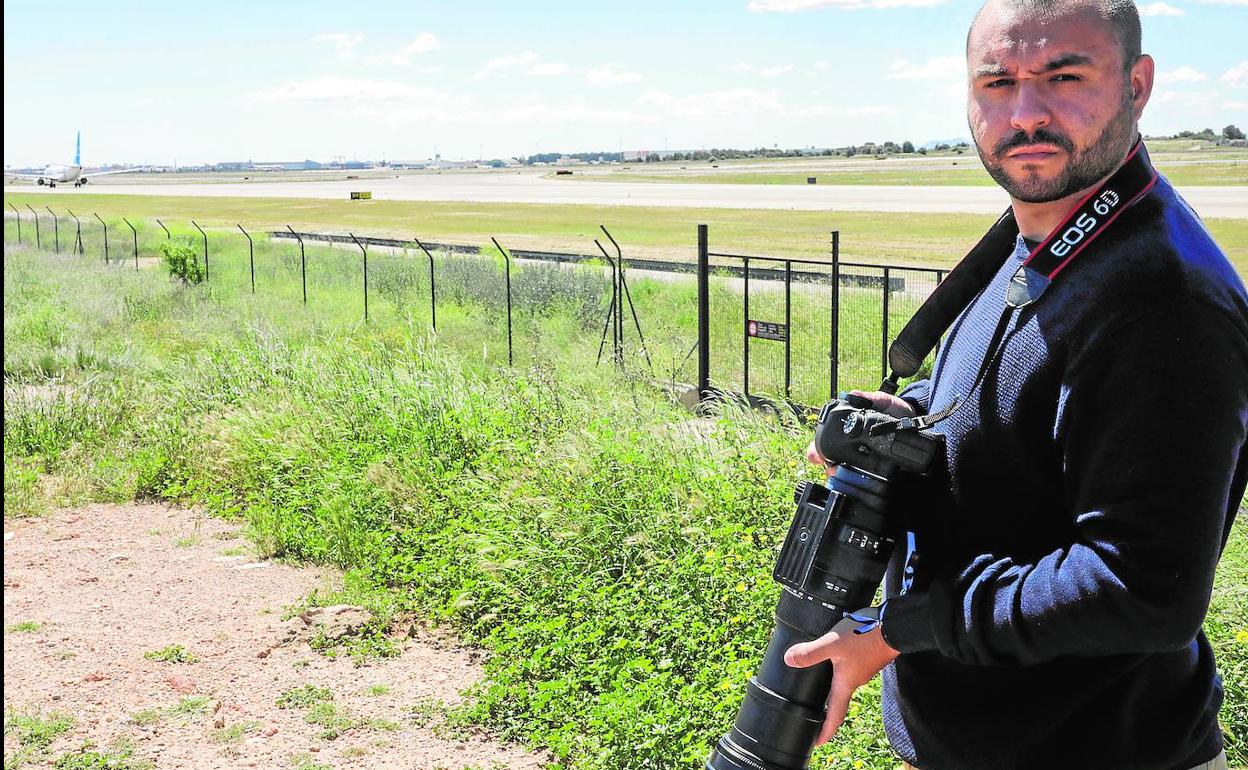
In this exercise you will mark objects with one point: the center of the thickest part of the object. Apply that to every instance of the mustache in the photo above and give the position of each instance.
(1041, 136)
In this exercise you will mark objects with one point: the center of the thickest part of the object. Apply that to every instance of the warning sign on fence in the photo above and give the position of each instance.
(766, 330)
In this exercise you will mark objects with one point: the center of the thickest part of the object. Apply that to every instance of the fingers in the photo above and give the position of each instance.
(838, 708)
(806, 654)
(887, 403)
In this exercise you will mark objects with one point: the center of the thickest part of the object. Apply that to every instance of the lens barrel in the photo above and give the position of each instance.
(832, 561)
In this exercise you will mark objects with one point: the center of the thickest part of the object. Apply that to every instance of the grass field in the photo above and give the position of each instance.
(921, 240)
(611, 555)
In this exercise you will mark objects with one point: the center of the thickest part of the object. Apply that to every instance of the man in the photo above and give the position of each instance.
(1063, 555)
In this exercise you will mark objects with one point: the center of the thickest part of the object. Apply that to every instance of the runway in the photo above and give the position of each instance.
(532, 187)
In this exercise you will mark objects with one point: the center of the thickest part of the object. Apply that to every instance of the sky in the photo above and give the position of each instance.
(164, 83)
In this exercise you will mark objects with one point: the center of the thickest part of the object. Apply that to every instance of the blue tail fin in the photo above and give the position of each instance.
(78, 150)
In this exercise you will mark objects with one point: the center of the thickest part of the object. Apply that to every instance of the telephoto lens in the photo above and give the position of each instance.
(831, 563)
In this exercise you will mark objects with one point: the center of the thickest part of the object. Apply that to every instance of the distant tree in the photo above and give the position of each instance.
(850, 151)
(922, 150)
(907, 146)
(1208, 134)
(1232, 132)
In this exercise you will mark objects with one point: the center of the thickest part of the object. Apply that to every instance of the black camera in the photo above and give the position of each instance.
(831, 563)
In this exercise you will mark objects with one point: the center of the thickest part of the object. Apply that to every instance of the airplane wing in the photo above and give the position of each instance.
(25, 176)
(113, 171)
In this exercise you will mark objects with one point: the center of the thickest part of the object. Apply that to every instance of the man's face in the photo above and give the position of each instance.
(1050, 107)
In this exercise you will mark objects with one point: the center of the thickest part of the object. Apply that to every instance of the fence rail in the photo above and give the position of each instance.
(802, 328)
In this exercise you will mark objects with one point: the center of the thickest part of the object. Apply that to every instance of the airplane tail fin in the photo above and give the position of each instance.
(78, 149)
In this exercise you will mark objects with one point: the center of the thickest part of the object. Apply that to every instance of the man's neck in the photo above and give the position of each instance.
(1037, 220)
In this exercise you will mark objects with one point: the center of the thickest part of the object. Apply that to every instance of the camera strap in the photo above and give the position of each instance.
(1091, 217)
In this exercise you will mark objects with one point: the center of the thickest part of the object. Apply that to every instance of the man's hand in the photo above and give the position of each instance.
(855, 659)
(881, 402)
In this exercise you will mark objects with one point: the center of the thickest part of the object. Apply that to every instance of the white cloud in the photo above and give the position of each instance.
(502, 63)
(1235, 105)
(938, 68)
(869, 109)
(1237, 76)
(789, 6)
(606, 75)
(822, 65)
(1159, 9)
(548, 68)
(1181, 75)
(344, 43)
(741, 67)
(1186, 98)
(1224, 2)
(714, 105)
(425, 42)
(779, 69)
(339, 89)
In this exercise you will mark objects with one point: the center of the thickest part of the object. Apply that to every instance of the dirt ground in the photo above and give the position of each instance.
(88, 592)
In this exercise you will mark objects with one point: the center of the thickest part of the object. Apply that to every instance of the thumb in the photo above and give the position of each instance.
(805, 654)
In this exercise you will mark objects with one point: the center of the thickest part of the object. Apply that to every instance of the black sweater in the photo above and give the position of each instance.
(1066, 550)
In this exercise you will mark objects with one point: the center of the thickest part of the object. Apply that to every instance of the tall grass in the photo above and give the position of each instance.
(611, 554)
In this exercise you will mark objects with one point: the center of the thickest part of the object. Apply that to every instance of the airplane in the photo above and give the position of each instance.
(69, 172)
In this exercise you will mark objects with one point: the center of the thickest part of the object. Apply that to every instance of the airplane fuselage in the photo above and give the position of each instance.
(61, 173)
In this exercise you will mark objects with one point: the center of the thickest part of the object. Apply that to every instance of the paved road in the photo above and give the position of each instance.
(530, 187)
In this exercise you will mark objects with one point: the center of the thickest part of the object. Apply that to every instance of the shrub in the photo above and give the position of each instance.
(182, 261)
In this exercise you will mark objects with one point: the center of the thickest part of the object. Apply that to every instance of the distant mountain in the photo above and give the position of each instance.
(951, 142)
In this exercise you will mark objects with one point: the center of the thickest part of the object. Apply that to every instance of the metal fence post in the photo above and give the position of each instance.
(201, 232)
(77, 233)
(19, 221)
(56, 228)
(745, 324)
(611, 309)
(357, 243)
(251, 258)
(303, 264)
(433, 295)
(788, 325)
(507, 271)
(105, 224)
(704, 321)
(835, 352)
(38, 240)
(884, 326)
(166, 229)
(629, 297)
(136, 241)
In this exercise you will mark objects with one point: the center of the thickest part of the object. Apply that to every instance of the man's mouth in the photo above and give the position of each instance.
(1033, 152)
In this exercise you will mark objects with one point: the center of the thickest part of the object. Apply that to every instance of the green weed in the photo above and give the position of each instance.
(24, 627)
(120, 756)
(174, 653)
(233, 734)
(303, 696)
(34, 730)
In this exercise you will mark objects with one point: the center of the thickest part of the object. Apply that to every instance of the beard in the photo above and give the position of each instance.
(1084, 169)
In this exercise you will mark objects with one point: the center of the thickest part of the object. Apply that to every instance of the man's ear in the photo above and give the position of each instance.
(1141, 82)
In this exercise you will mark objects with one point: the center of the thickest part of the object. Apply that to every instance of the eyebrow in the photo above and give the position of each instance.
(1061, 62)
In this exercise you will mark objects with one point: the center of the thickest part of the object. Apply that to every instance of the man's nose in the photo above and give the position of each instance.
(1030, 110)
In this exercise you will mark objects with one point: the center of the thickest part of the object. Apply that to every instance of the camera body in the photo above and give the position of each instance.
(831, 563)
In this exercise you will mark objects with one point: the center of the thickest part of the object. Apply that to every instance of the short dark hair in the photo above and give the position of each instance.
(1122, 15)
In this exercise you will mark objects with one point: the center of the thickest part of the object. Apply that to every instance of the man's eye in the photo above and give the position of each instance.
(1066, 77)
(999, 83)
